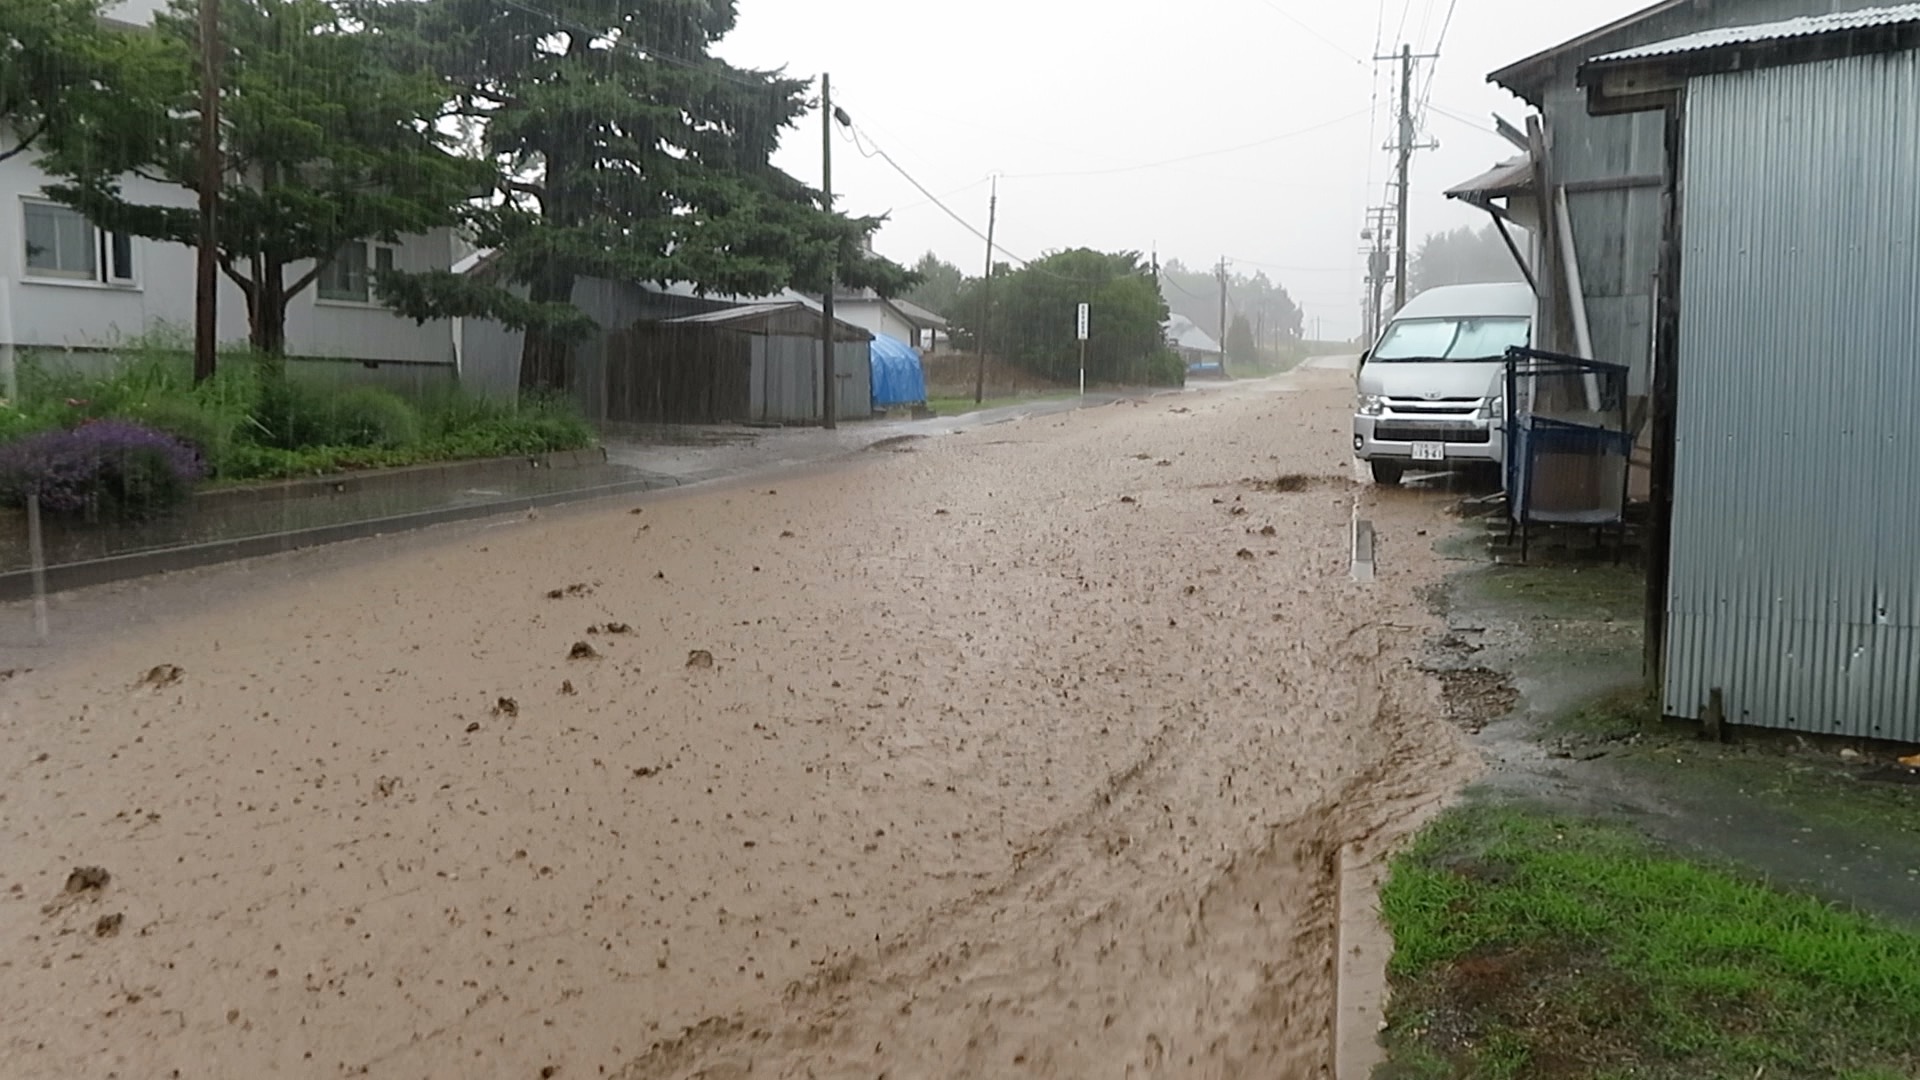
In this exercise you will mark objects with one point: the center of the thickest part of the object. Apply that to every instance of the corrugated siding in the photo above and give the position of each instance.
(1796, 574)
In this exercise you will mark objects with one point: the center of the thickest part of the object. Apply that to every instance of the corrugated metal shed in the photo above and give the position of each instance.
(1806, 26)
(1796, 553)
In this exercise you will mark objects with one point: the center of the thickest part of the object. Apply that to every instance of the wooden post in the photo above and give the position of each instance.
(1713, 720)
(37, 556)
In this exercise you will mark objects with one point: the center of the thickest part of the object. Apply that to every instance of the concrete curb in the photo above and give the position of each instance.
(18, 584)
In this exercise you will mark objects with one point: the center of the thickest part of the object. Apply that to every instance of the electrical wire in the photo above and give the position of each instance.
(1290, 269)
(1188, 157)
(1324, 39)
(1433, 71)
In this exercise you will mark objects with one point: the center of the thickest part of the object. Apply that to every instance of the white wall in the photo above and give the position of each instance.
(69, 314)
(877, 318)
(137, 11)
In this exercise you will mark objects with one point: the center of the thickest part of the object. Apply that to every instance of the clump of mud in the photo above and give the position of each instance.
(1475, 697)
(1294, 484)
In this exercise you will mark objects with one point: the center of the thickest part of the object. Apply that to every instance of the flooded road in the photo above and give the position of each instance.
(1031, 750)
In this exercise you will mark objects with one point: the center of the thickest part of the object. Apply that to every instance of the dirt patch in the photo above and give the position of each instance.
(1476, 697)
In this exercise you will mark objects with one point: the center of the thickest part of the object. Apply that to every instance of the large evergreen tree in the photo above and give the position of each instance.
(625, 150)
(1241, 348)
(324, 142)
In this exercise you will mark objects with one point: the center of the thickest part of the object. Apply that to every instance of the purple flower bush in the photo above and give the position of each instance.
(120, 469)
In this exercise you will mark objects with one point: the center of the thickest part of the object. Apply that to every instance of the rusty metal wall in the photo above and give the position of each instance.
(1796, 552)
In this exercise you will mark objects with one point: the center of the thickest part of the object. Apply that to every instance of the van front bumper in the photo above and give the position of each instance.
(1394, 438)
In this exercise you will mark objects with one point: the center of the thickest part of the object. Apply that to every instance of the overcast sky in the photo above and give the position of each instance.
(1071, 100)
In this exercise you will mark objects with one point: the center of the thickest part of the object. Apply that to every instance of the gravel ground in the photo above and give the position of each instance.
(1023, 751)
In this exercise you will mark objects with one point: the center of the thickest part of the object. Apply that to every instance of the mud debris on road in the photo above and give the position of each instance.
(992, 780)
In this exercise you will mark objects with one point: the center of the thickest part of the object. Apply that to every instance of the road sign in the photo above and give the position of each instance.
(1084, 310)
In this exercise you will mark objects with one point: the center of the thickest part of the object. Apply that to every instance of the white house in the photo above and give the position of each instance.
(897, 319)
(65, 285)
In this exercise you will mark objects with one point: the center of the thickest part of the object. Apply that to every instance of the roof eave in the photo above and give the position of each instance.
(1641, 83)
(1525, 78)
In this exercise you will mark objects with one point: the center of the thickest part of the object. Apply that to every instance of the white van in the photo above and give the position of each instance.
(1432, 389)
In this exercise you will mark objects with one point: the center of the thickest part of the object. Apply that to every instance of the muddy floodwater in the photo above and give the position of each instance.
(1032, 750)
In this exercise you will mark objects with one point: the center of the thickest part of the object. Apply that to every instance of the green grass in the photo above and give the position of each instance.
(1530, 945)
(1563, 593)
(960, 406)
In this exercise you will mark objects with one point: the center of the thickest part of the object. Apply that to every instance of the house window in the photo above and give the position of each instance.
(61, 243)
(347, 278)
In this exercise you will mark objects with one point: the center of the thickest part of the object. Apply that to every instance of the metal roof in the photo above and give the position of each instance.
(743, 313)
(1182, 332)
(915, 313)
(1806, 26)
(1518, 75)
(1506, 179)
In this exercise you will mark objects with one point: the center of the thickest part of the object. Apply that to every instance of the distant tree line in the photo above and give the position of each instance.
(1464, 256)
(1033, 313)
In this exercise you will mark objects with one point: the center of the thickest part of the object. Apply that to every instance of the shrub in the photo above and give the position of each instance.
(121, 469)
(295, 415)
(1165, 368)
(205, 430)
(371, 417)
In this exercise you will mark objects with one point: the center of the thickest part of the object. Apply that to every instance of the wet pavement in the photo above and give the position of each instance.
(637, 459)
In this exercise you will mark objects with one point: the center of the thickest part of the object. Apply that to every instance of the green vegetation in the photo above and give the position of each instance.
(595, 140)
(957, 406)
(1539, 946)
(624, 149)
(338, 145)
(254, 421)
(1033, 317)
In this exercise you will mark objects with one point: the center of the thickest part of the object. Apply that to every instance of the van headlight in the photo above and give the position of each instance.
(1372, 405)
(1494, 408)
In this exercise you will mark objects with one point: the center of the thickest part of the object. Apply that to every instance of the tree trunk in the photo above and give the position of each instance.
(546, 357)
(268, 311)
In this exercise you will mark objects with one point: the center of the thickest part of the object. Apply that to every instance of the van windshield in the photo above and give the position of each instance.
(1454, 339)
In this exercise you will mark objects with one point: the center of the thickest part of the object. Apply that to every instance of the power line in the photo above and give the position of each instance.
(1324, 39)
(1189, 157)
(1426, 95)
(1291, 269)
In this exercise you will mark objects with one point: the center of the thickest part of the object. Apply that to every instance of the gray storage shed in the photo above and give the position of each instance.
(754, 363)
(1793, 594)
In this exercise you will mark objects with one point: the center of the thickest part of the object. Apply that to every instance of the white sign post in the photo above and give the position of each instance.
(1084, 327)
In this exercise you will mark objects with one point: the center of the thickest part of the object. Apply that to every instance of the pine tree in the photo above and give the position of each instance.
(624, 150)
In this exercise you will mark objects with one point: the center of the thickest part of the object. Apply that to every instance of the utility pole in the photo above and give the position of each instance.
(829, 404)
(986, 300)
(1404, 147)
(1222, 271)
(1378, 235)
(206, 299)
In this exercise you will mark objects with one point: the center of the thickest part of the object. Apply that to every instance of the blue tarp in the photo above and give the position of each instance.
(897, 375)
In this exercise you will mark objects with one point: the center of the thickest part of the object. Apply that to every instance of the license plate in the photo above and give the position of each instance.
(1429, 451)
